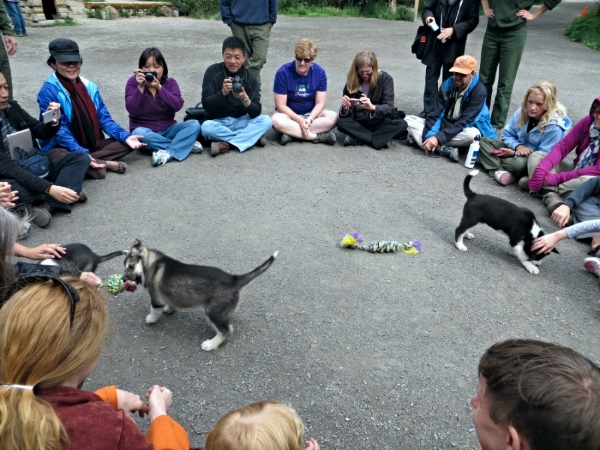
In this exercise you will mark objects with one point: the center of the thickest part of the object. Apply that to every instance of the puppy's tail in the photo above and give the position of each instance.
(468, 192)
(112, 255)
(243, 280)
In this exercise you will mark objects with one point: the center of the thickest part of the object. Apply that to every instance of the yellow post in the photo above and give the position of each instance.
(393, 5)
(416, 10)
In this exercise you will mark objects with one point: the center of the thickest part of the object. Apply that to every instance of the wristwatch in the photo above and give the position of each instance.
(245, 100)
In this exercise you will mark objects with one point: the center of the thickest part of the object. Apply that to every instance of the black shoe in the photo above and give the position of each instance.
(422, 114)
(42, 215)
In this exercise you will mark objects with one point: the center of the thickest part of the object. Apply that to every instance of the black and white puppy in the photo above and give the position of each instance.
(173, 284)
(518, 223)
(80, 258)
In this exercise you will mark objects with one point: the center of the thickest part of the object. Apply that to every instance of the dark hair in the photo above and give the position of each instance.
(550, 394)
(155, 53)
(234, 42)
(51, 62)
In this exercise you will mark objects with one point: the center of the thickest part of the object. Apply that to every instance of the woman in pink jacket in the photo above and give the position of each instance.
(553, 173)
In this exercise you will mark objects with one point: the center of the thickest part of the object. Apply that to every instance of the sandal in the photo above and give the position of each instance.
(122, 167)
(504, 178)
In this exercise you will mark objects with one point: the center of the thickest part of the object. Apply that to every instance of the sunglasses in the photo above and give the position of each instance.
(34, 278)
(306, 60)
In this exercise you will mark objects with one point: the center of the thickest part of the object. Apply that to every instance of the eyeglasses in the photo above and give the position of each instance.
(34, 278)
(306, 60)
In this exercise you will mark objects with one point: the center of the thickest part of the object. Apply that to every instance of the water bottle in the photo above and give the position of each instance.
(473, 153)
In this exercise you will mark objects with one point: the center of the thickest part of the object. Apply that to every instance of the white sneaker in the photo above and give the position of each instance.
(197, 148)
(592, 265)
(160, 158)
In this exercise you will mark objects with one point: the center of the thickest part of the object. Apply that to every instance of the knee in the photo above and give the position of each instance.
(208, 127)
(142, 131)
(192, 125)
(264, 121)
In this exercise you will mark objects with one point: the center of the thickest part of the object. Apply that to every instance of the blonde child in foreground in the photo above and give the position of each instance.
(262, 425)
(546, 243)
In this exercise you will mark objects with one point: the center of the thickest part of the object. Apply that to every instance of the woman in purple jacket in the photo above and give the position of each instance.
(152, 98)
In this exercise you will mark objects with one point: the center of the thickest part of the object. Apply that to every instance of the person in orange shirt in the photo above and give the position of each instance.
(51, 334)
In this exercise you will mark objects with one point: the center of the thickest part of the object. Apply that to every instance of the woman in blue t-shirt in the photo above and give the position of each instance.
(300, 95)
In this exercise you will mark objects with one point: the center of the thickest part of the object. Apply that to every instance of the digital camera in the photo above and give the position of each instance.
(238, 83)
(149, 75)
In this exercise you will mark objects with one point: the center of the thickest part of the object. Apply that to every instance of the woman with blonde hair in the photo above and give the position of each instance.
(537, 126)
(51, 335)
(262, 425)
(367, 114)
(300, 89)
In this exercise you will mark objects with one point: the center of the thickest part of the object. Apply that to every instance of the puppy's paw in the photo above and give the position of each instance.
(169, 309)
(208, 346)
(533, 270)
(151, 318)
(462, 247)
(469, 235)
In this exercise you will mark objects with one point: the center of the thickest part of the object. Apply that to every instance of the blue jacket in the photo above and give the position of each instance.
(53, 91)
(474, 113)
(544, 142)
(249, 12)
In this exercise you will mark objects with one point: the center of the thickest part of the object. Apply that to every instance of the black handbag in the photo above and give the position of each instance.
(196, 113)
(424, 34)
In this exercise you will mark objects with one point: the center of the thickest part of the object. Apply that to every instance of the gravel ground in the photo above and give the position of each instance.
(374, 351)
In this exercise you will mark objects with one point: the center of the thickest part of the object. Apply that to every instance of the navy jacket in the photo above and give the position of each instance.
(249, 12)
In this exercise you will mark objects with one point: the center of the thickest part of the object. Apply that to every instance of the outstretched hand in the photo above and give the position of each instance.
(159, 401)
(131, 403)
(133, 141)
(546, 243)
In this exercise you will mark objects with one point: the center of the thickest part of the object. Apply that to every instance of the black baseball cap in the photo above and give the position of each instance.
(65, 50)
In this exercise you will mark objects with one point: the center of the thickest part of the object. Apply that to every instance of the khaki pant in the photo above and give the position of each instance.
(563, 189)
(517, 166)
(256, 38)
(462, 139)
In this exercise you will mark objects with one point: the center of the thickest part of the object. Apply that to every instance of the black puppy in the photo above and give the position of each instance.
(80, 258)
(518, 223)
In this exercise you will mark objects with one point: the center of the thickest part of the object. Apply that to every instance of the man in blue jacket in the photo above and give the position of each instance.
(460, 113)
(251, 21)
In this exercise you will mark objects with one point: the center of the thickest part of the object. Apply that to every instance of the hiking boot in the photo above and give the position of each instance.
(524, 184)
(82, 196)
(285, 138)
(217, 148)
(197, 148)
(552, 201)
(42, 215)
(262, 142)
(592, 265)
(24, 231)
(350, 141)
(160, 158)
(326, 138)
(410, 140)
(448, 152)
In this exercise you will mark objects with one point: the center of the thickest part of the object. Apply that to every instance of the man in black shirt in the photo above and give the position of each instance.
(231, 99)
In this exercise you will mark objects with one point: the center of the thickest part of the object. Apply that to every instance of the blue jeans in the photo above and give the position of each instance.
(14, 11)
(178, 139)
(241, 132)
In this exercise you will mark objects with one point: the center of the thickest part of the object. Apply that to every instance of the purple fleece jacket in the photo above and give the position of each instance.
(156, 113)
(578, 139)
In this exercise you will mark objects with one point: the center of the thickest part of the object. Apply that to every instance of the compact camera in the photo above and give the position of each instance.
(238, 83)
(149, 75)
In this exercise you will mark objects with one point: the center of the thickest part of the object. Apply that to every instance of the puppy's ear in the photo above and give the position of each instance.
(555, 251)
(136, 248)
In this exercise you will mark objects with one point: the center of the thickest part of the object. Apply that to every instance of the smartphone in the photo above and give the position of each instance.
(497, 152)
(49, 116)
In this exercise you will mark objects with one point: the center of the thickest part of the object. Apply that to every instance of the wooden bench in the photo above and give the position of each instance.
(126, 5)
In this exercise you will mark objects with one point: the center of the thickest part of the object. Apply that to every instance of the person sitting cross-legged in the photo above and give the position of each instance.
(460, 113)
(231, 99)
(300, 95)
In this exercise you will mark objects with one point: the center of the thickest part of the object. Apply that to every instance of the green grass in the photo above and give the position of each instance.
(586, 30)
(66, 22)
(371, 10)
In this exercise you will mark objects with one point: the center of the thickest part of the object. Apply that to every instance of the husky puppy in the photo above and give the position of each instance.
(80, 258)
(173, 284)
(518, 223)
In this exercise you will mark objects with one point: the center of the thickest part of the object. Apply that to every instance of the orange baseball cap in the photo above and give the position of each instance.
(464, 64)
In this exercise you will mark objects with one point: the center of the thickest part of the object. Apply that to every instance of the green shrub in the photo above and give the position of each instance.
(199, 8)
(123, 12)
(135, 12)
(98, 13)
(586, 29)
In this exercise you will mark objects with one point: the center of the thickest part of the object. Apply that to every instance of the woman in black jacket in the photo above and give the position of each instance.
(455, 20)
(63, 184)
(367, 114)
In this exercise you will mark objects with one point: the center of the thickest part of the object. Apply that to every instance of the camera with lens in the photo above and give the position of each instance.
(238, 83)
(149, 75)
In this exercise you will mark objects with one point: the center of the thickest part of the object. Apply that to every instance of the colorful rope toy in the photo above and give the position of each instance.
(115, 285)
(354, 241)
